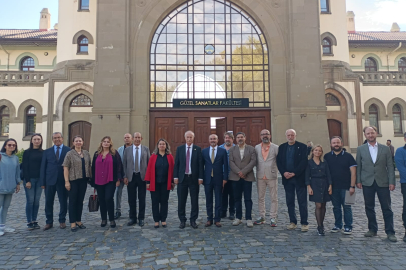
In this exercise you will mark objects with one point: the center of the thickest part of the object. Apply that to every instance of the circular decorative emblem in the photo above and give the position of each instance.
(209, 49)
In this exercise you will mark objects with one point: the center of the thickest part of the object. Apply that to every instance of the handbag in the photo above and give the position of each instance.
(94, 202)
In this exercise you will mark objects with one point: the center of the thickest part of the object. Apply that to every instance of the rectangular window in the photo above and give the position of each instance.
(31, 123)
(373, 120)
(84, 4)
(397, 123)
(324, 5)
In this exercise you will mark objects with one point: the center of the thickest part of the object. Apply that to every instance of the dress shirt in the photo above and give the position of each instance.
(373, 150)
(190, 161)
(139, 156)
(60, 149)
(215, 151)
(242, 151)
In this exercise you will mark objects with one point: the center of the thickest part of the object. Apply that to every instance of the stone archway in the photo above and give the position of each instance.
(337, 114)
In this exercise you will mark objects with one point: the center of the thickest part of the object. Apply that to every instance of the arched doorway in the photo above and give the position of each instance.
(334, 128)
(83, 129)
(337, 115)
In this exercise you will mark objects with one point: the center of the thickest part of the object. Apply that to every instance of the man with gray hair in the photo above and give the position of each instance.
(292, 163)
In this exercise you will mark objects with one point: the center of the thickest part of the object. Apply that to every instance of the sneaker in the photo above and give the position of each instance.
(320, 231)
(392, 238)
(237, 222)
(1, 233)
(370, 234)
(305, 228)
(36, 226)
(259, 221)
(291, 226)
(30, 226)
(249, 223)
(273, 222)
(8, 229)
(347, 231)
(335, 229)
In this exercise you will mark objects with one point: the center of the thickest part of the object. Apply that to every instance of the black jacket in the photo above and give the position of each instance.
(300, 162)
(196, 163)
(117, 168)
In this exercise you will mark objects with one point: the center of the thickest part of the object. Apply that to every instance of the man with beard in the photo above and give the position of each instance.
(242, 161)
(228, 195)
(267, 177)
(343, 171)
(375, 175)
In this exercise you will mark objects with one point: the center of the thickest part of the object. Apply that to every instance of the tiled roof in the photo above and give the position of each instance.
(36, 34)
(377, 36)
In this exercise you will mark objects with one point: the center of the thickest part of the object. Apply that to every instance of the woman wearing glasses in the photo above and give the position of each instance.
(32, 158)
(9, 180)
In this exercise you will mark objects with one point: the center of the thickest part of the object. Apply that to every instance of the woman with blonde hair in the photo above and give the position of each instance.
(319, 184)
(107, 174)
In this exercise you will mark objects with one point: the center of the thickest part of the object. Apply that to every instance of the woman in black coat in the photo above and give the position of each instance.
(319, 184)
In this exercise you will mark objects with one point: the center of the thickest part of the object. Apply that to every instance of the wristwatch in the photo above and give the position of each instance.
(352, 187)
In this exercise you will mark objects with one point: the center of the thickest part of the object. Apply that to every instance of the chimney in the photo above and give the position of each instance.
(350, 22)
(395, 27)
(56, 26)
(45, 20)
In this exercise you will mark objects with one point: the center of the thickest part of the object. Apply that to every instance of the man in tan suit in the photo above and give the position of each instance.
(267, 176)
(242, 161)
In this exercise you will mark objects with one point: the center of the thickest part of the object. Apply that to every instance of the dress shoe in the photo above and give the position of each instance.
(156, 226)
(81, 226)
(164, 225)
(231, 217)
(141, 222)
(62, 225)
(74, 229)
(118, 215)
(194, 225)
(182, 225)
(392, 238)
(48, 226)
(208, 223)
(103, 223)
(112, 224)
(218, 225)
(370, 234)
(131, 222)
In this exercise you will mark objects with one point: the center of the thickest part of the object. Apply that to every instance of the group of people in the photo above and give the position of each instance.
(226, 172)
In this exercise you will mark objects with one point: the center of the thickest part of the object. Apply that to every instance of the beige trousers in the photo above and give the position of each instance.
(272, 186)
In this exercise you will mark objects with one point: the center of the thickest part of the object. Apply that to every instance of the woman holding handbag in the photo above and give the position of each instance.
(77, 171)
(159, 180)
(107, 174)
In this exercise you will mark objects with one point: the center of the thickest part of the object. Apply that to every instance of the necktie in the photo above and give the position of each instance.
(187, 160)
(137, 169)
(212, 160)
(57, 153)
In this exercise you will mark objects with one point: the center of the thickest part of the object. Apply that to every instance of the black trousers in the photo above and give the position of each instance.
(135, 185)
(192, 185)
(384, 200)
(403, 187)
(240, 188)
(217, 189)
(50, 192)
(228, 199)
(76, 196)
(106, 199)
(160, 198)
(291, 188)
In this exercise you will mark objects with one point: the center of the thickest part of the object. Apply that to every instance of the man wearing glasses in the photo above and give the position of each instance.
(267, 177)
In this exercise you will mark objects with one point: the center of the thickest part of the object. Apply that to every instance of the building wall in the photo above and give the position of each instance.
(42, 62)
(359, 55)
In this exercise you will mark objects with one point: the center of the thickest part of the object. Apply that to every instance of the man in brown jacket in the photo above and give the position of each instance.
(242, 161)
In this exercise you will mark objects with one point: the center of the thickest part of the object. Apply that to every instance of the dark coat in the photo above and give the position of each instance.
(219, 167)
(300, 162)
(319, 179)
(117, 168)
(196, 163)
(51, 170)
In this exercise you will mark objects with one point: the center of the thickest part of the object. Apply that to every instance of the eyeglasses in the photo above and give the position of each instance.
(265, 134)
(11, 145)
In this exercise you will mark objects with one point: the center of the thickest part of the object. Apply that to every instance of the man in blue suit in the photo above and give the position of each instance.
(215, 177)
(51, 178)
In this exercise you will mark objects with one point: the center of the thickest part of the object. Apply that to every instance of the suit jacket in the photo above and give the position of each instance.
(51, 170)
(196, 163)
(219, 167)
(300, 162)
(382, 171)
(267, 167)
(128, 162)
(150, 176)
(244, 165)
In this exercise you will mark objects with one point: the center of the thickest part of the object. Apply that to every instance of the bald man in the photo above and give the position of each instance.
(135, 163)
(128, 141)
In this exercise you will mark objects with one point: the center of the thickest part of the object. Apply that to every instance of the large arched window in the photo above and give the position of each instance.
(81, 101)
(397, 119)
(327, 46)
(27, 64)
(30, 120)
(209, 49)
(83, 44)
(370, 65)
(4, 120)
(332, 100)
(373, 116)
(402, 64)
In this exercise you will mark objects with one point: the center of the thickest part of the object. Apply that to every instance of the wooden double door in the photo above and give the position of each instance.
(83, 129)
(172, 125)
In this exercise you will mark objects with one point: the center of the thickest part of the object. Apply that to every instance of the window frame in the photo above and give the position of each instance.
(376, 115)
(29, 67)
(399, 116)
(4, 115)
(369, 67)
(402, 68)
(327, 9)
(82, 7)
(329, 46)
(28, 118)
(78, 106)
(82, 45)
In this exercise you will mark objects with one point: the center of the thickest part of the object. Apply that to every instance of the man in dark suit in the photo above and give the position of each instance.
(52, 180)
(215, 177)
(188, 175)
(292, 163)
(135, 163)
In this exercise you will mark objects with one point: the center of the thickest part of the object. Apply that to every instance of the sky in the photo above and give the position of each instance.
(370, 15)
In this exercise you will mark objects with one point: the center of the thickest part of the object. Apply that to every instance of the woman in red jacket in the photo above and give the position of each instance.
(159, 180)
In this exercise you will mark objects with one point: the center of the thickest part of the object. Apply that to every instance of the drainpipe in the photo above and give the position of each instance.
(8, 56)
(387, 57)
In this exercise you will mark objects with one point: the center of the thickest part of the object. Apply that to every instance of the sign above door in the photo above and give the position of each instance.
(211, 103)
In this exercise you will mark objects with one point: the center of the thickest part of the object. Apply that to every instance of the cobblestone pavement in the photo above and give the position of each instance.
(203, 248)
